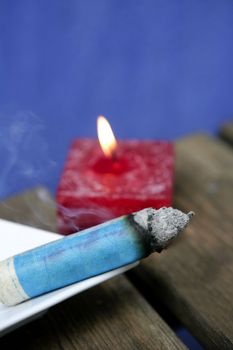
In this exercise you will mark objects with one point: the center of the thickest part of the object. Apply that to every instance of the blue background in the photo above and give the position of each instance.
(156, 69)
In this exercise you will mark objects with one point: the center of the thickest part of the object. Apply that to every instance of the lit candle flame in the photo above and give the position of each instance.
(106, 137)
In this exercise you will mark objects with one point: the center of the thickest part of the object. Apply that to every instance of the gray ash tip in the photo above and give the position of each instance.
(162, 225)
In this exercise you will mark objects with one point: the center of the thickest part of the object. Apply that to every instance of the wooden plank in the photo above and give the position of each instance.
(226, 132)
(194, 276)
(112, 315)
(33, 208)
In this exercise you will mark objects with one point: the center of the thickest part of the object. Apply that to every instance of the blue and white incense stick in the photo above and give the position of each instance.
(88, 253)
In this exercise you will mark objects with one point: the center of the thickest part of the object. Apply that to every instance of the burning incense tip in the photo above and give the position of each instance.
(90, 253)
(162, 225)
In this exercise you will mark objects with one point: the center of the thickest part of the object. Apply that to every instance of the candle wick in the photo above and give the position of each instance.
(114, 157)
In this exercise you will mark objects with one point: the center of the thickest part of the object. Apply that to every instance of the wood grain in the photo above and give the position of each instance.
(226, 132)
(195, 276)
(33, 208)
(111, 315)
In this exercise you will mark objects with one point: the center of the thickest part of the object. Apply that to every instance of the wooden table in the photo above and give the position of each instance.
(193, 278)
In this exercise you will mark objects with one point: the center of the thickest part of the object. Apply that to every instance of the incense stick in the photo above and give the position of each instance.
(89, 253)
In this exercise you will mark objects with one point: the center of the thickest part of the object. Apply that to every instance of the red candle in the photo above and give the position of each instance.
(98, 185)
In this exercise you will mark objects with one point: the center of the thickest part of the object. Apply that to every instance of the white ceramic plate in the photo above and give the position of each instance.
(16, 238)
